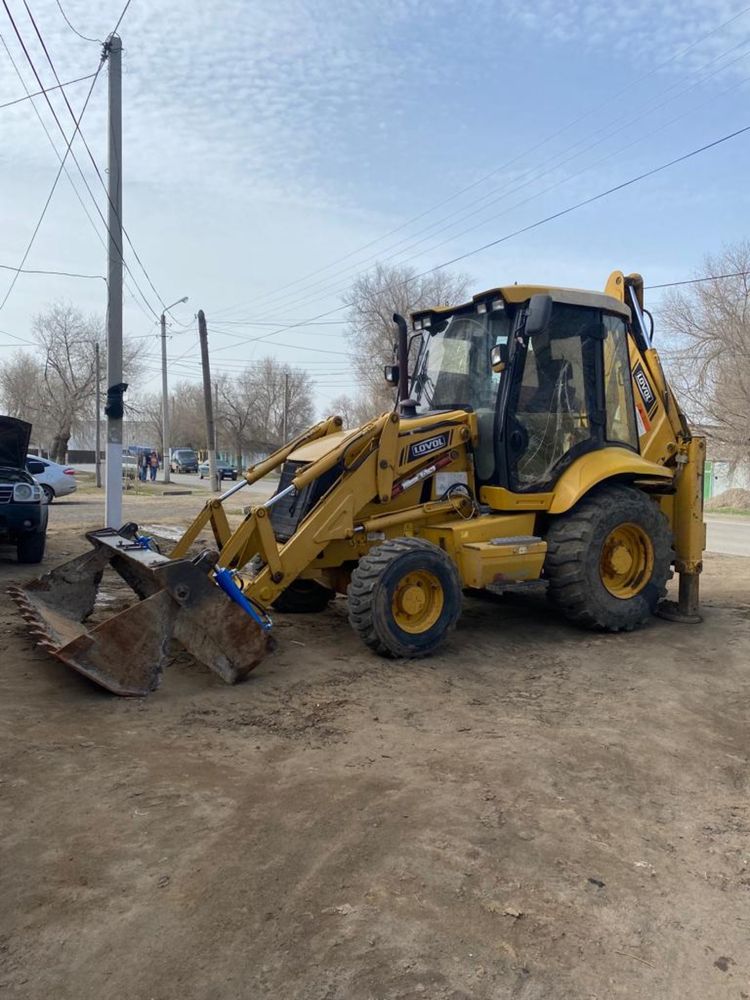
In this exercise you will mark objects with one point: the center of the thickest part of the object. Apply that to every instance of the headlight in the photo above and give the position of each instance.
(417, 324)
(26, 493)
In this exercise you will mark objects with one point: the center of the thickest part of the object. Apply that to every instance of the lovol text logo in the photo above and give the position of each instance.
(644, 388)
(426, 447)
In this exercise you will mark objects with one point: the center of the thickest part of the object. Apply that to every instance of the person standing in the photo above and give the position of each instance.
(153, 464)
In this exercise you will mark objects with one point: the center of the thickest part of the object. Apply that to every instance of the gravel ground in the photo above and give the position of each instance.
(536, 812)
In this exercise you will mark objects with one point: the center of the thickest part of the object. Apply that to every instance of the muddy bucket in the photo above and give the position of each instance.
(181, 600)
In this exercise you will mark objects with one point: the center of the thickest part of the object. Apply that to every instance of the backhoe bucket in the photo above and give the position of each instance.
(126, 653)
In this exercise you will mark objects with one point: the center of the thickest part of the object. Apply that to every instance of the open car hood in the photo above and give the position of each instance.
(14, 442)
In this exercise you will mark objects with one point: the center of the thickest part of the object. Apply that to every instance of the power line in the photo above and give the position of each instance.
(54, 184)
(525, 229)
(76, 192)
(697, 281)
(593, 198)
(75, 30)
(47, 90)
(335, 377)
(88, 149)
(72, 154)
(609, 132)
(62, 274)
(607, 102)
(125, 10)
(7, 333)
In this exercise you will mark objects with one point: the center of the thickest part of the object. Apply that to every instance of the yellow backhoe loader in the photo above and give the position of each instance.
(536, 437)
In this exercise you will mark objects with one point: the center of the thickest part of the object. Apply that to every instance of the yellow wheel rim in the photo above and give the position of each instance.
(627, 560)
(417, 601)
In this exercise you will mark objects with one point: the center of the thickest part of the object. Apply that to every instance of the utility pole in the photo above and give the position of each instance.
(114, 407)
(216, 419)
(165, 390)
(207, 401)
(97, 459)
(285, 415)
(164, 400)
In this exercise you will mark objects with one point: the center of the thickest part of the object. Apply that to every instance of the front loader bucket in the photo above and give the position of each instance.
(126, 653)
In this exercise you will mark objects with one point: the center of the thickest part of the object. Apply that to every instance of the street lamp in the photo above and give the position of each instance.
(164, 391)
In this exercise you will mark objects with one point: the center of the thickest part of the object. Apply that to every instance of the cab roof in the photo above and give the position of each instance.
(522, 293)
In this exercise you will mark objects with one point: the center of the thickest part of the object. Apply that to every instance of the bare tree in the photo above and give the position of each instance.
(187, 416)
(61, 377)
(148, 409)
(251, 408)
(708, 348)
(270, 382)
(355, 410)
(239, 410)
(372, 300)
(21, 384)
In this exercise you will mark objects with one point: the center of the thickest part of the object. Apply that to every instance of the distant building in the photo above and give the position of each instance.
(722, 471)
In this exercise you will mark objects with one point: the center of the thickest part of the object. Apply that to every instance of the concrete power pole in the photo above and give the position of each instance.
(285, 414)
(216, 420)
(208, 401)
(115, 386)
(164, 400)
(97, 458)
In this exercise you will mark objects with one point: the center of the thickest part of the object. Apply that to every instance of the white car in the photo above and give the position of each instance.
(56, 480)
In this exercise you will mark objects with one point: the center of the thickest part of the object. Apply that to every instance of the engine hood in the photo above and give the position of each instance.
(14, 442)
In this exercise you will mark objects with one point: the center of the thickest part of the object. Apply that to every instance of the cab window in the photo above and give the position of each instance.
(618, 387)
(549, 418)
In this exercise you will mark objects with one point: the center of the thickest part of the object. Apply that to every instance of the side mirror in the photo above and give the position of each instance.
(499, 357)
(391, 374)
(538, 315)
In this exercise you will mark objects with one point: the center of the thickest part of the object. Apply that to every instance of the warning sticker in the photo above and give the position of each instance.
(641, 419)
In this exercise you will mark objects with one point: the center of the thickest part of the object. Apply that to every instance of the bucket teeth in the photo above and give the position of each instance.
(126, 652)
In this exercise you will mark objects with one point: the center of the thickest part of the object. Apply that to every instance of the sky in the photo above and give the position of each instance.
(274, 149)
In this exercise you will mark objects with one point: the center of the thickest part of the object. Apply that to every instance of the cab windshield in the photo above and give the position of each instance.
(454, 368)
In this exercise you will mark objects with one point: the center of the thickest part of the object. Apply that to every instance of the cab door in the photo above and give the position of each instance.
(555, 408)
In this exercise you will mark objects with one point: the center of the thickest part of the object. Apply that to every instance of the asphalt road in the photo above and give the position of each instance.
(192, 480)
(728, 535)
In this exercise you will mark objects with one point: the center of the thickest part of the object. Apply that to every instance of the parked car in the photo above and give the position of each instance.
(183, 460)
(56, 480)
(23, 515)
(129, 466)
(223, 469)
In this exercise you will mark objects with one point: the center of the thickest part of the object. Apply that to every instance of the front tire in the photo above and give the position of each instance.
(608, 559)
(404, 598)
(30, 548)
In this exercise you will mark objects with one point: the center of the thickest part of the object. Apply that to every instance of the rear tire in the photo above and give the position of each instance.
(608, 559)
(304, 597)
(30, 548)
(48, 492)
(404, 598)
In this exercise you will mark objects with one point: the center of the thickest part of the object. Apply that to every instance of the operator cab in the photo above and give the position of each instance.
(547, 373)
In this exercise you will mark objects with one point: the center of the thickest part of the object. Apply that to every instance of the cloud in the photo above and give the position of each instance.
(280, 96)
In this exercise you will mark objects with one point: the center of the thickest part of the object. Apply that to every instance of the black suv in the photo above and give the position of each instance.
(23, 513)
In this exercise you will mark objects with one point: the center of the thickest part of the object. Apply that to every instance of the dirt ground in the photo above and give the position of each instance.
(537, 812)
